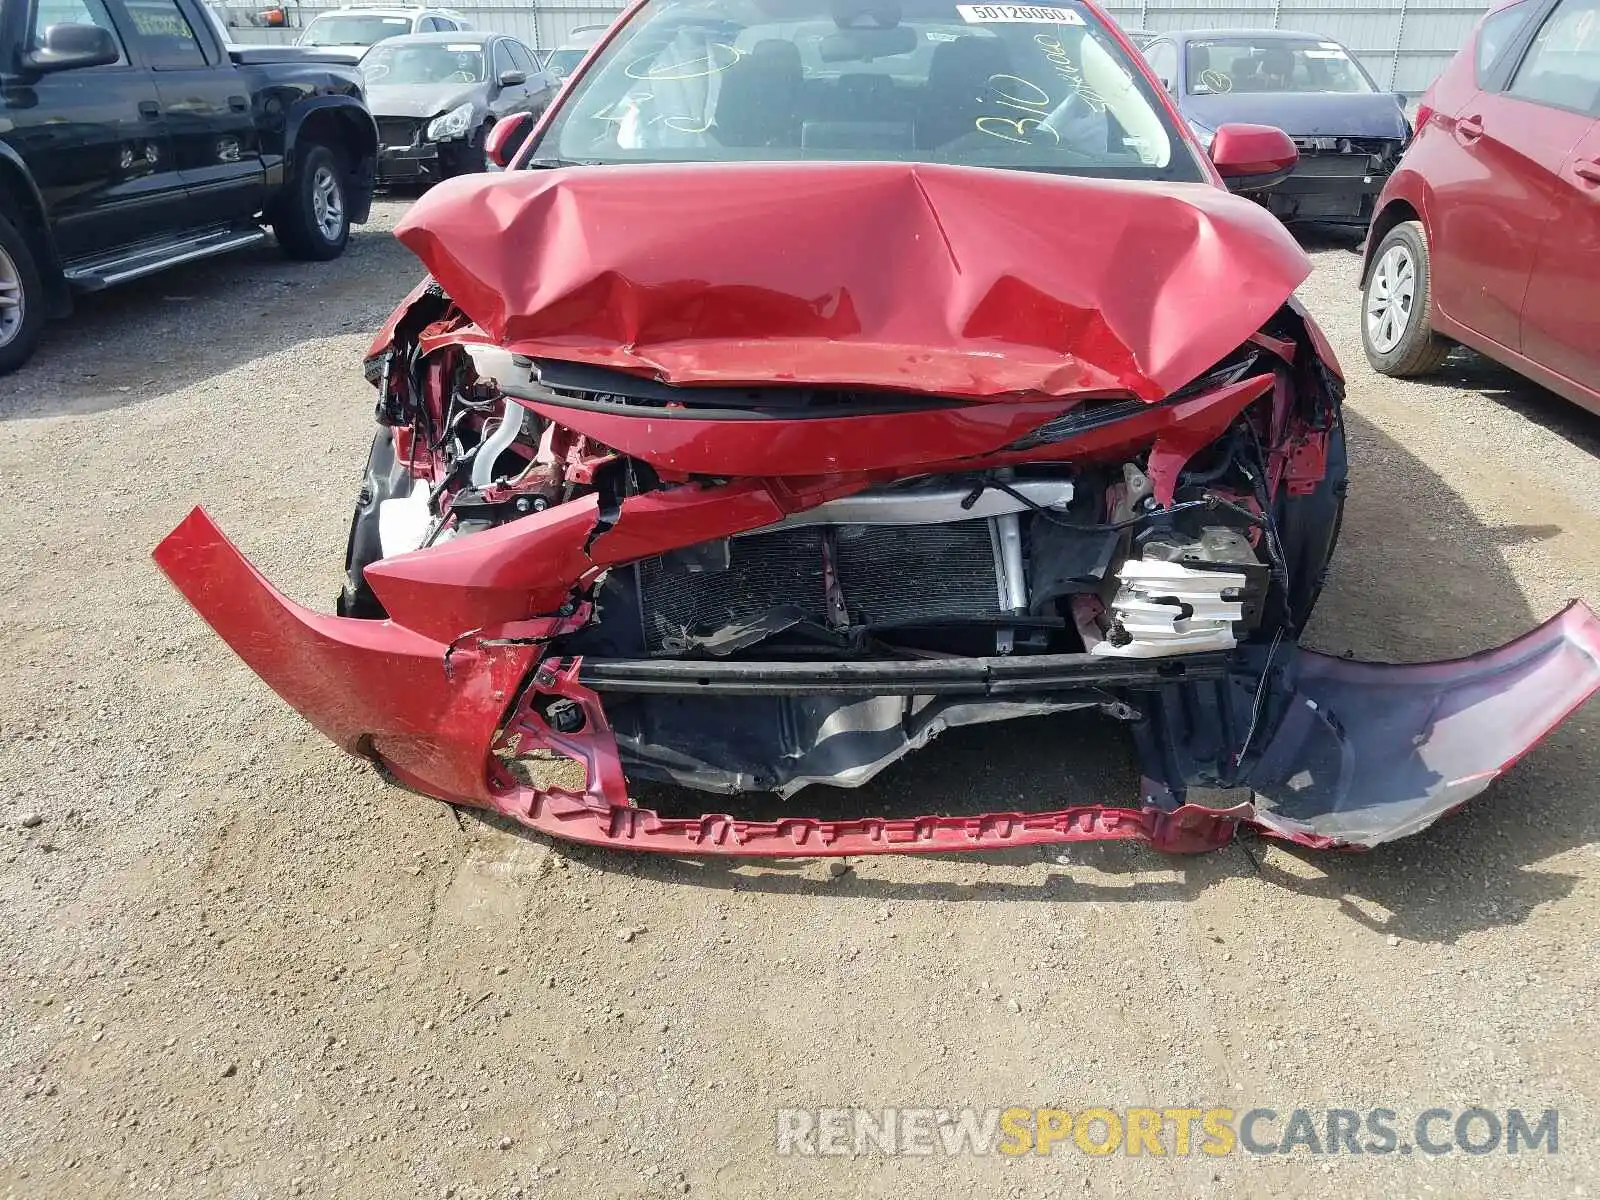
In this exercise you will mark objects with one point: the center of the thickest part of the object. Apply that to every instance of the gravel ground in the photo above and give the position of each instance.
(236, 964)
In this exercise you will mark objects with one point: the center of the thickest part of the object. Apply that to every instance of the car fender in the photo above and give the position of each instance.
(1406, 187)
(353, 112)
(17, 176)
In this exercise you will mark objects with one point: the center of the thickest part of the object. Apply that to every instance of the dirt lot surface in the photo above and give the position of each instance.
(234, 963)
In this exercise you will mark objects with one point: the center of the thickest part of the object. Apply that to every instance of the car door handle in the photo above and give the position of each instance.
(1587, 169)
(239, 103)
(1469, 129)
(149, 110)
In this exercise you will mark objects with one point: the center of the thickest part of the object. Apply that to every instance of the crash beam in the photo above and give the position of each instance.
(995, 676)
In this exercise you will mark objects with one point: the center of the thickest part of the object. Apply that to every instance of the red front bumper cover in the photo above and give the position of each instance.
(1347, 754)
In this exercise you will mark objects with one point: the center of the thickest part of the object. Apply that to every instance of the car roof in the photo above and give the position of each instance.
(453, 36)
(1253, 35)
(387, 10)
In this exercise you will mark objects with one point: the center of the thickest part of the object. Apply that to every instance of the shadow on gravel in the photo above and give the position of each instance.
(1416, 576)
(1314, 237)
(180, 327)
(1471, 370)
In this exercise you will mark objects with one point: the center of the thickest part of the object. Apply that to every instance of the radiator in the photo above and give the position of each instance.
(889, 575)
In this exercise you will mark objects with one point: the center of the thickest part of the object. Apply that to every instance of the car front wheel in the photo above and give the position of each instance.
(314, 221)
(22, 302)
(1396, 327)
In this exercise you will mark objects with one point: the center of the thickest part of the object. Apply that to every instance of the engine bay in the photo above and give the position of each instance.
(1035, 552)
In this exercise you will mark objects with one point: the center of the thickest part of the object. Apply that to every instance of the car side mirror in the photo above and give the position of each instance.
(513, 78)
(68, 47)
(506, 138)
(1251, 158)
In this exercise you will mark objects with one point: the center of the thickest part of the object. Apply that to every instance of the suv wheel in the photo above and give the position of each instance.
(314, 221)
(1396, 329)
(22, 305)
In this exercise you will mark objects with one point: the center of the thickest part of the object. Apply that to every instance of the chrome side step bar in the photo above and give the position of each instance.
(95, 274)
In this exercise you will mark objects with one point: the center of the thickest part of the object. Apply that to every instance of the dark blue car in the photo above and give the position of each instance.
(1350, 132)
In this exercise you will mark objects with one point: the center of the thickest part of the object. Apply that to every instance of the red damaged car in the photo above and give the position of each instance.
(822, 375)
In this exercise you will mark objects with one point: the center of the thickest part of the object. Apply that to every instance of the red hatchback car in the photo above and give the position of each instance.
(1488, 233)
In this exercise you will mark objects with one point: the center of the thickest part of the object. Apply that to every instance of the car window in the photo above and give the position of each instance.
(1041, 88)
(502, 59)
(165, 36)
(1562, 66)
(339, 29)
(75, 12)
(1163, 58)
(523, 57)
(1495, 35)
(561, 62)
(1220, 65)
(423, 63)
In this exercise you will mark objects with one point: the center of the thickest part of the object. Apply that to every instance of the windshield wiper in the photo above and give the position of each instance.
(549, 164)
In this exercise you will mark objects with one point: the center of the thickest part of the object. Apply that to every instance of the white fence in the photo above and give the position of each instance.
(1404, 43)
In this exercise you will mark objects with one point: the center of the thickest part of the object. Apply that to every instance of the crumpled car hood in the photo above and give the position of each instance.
(958, 281)
(421, 100)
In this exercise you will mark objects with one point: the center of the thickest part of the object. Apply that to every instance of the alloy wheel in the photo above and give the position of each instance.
(327, 203)
(13, 309)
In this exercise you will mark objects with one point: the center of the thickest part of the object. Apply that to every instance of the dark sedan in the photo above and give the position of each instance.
(437, 95)
(1349, 132)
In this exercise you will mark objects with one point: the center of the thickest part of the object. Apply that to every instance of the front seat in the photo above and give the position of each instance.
(758, 103)
(958, 75)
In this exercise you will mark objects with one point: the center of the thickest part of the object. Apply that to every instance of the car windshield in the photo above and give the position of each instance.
(1039, 88)
(561, 62)
(353, 31)
(1221, 65)
(424, 63)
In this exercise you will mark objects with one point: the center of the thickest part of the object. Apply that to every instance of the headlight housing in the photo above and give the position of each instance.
(453, 124)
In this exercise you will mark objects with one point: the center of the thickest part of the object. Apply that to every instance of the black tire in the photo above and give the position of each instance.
(299, 230)
(385, 477)
(1309, 531)
(19, 348)
(1418, 349)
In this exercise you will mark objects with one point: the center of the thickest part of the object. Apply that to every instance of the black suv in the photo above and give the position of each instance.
(132, 138)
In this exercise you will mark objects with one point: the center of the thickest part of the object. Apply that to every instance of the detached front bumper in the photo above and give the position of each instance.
(1315, 750)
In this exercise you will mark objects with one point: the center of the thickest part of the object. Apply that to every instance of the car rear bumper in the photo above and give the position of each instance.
(1315, 750)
